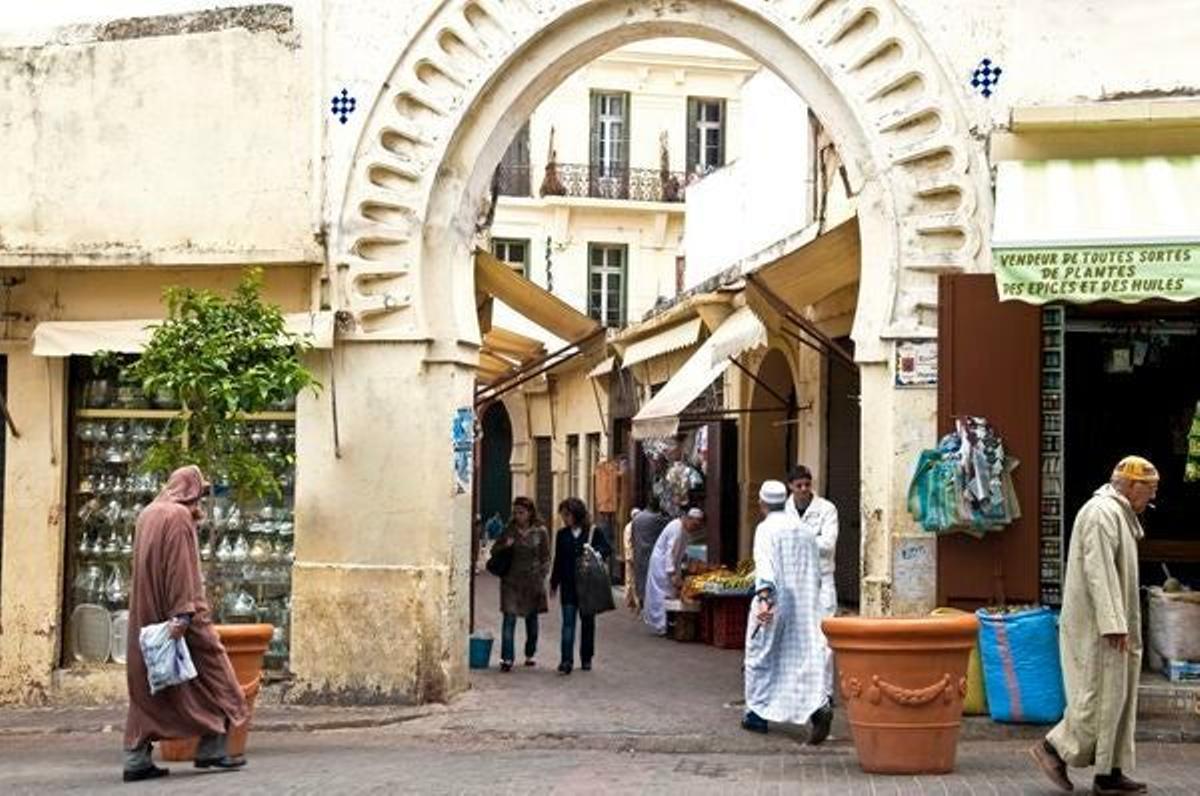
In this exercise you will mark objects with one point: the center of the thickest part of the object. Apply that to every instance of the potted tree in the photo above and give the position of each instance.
(220, 360)
(903, 682)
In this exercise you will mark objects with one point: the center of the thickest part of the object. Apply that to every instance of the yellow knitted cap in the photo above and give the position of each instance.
(1135, 468)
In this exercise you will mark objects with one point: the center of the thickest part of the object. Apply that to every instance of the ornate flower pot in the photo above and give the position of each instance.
(245, 645)
(903, 683)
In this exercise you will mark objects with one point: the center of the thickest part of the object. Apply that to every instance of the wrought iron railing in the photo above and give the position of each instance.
(594, 182)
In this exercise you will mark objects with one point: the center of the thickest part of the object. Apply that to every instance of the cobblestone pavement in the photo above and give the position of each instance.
(388, 761)
(654, 716)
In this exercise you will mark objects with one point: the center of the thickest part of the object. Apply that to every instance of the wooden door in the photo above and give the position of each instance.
(989, 365)
(721, 493)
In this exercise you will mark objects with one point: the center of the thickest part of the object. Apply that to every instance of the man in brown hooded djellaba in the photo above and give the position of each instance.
(168, 587)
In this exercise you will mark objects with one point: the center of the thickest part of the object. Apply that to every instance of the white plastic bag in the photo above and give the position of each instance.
(168, 661)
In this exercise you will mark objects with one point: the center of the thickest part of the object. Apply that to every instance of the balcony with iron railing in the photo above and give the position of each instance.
(583, 181)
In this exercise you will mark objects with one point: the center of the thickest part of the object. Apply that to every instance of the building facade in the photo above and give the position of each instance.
(356, 169)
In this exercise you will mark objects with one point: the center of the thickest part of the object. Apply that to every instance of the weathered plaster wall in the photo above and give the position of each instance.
(31, 583)
(183, 139)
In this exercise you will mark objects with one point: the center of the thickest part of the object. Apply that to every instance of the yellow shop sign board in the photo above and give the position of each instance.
(1083, 274)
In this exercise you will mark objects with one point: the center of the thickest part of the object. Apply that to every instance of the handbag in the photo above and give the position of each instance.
(500, 561)
(592, 583)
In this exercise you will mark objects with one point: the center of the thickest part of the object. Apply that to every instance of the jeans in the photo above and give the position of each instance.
(508, 633)
(587, 643)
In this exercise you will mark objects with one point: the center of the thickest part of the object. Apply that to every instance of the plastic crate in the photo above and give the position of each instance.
(683, 625)
(706, 620)
(729, 615)
(1182, 671)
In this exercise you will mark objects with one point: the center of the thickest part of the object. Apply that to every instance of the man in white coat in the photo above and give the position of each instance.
(785, 648)
(1100, 635)
(818, 516)
(664, 575)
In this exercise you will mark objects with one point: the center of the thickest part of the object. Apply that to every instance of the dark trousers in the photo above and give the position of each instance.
(587, 641)
(508, 633)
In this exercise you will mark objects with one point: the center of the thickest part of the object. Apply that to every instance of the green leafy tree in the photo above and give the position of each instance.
(222, 358)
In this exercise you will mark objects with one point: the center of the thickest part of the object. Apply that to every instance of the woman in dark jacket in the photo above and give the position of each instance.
(523, 587)
(568, 547)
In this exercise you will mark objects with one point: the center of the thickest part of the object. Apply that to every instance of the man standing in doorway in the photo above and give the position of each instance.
(820, 518)
(647, 526)
(785, 648)
(1100, 636)
(664, 578)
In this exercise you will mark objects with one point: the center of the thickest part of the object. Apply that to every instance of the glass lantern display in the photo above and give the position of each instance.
(245, 546)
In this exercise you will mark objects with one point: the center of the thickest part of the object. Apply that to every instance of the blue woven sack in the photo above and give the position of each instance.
(1021, 668)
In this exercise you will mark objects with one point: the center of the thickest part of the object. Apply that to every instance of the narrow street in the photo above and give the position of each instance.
(654, 716)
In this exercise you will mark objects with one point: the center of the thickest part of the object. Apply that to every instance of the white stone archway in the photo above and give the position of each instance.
(463, 85)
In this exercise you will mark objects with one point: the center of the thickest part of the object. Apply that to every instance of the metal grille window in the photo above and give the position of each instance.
(513, 251)
(606, 283)
(593, 459)
(573, 465)
(544, 478)
(706, 135)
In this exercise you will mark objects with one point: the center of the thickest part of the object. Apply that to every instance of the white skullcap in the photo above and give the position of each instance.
(696, 513)
(635, 512)
(773, 493)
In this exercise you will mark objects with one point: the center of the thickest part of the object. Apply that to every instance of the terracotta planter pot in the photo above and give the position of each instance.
(245, 645)
(903, 683)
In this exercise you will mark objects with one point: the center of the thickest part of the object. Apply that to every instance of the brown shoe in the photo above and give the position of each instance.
(1051, 765)
(1118, 783)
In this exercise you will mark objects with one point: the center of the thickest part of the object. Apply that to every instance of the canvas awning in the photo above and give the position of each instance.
(547, 310)
(673, 338)
(603, 369)
(740, 332)
(814, 271)
(85, 338)
(1121, 229)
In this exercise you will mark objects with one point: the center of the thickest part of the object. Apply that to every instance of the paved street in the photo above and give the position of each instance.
(654, 716)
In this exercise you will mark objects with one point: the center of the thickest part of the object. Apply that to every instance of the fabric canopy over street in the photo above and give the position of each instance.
(85, 338)
(603, 369)
(1117, 229)
(547, 310)
(672, 338)
(509, 358)
(812, 272)
(740, 332)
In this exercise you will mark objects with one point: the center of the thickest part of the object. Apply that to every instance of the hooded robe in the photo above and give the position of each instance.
(167, 583)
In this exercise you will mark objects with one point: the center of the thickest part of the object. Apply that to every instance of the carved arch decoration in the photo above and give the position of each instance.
(472, 74)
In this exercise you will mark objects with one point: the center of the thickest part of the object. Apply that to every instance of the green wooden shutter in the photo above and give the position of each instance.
(721, 140)
(693, 134)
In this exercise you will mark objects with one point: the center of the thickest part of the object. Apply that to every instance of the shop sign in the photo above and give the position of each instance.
(916, 363)
(1082, 274)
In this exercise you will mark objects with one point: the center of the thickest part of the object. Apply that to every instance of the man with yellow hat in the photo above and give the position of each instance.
(1100, 636)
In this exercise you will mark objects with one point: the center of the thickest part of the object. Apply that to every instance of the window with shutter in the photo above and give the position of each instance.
(514, 252)
(609, 167)
(706, 135)
(606, 283)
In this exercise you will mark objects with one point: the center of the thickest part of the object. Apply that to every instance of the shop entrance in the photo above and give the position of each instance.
(495, 475)
(843, 431)
(1131, 386)
(771, 431)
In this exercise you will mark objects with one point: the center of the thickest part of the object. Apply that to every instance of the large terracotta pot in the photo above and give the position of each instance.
(903, 683)
(245, 645)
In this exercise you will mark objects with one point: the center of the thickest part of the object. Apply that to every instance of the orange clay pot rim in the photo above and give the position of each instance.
(900, 628)
(245, 631)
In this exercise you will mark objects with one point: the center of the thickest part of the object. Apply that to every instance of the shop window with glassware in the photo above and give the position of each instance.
(706, 135)
(514, 252)
(607, 272)
(245, 544)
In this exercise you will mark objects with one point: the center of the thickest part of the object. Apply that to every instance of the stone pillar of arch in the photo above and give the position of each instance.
(380, 580)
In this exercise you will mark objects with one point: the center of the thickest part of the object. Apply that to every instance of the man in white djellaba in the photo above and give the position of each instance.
(664, 575)
(819, 517)
(785, 648)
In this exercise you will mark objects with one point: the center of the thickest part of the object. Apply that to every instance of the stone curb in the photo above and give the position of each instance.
(112, 722)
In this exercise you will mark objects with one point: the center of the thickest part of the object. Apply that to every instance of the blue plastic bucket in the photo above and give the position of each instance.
(481, 652)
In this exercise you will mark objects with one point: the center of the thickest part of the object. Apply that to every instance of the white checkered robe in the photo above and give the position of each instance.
(821, 518)
(785, 661)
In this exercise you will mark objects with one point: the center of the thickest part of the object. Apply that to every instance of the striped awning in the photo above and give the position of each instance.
(1097, 202)
(673, 338)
